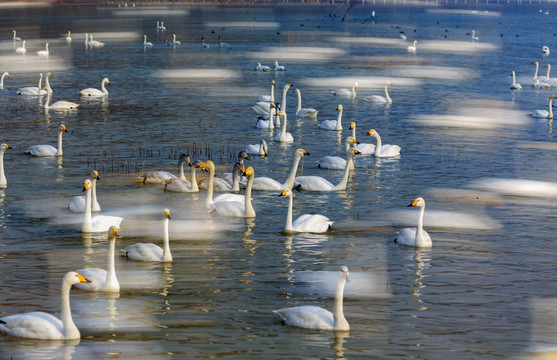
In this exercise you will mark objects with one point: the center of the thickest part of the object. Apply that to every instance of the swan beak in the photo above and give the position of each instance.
(6, 146)
(82, 279)
(283, 193)
(356, 152)
(413, 203)
(63, 128)
(305, 152)
(265, 151)
(85, 187)
(352, 125)
(167, 215)
(370, 132)
(339, 107)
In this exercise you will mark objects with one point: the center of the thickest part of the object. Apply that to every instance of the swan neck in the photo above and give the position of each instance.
(194, 187)
(340, 322)
(342, 184)
(69, 329)
(166, 255)
(3, 181)
(181, 175)
(288, 226)
(536, 73)
(354, 91)
(60, 151)
(550, 116)
(339, 119)
(283, 104)
(389, 100)
(353, 133)
(40, 83)
(548, 70)
(111, 280)
(272, 115)
(272, 93)
(299, 100)
(236, 180)
(250, 212)
(420, 227)
(283, 129)
(94, 203)
(379, 144)
(103, 87)
(47, 101)
(86, 227)
(210, 187)
(289, 183)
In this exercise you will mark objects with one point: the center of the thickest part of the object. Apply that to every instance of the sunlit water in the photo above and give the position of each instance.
(484, 290)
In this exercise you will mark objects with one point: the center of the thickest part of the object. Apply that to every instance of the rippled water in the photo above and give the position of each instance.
(484, 290)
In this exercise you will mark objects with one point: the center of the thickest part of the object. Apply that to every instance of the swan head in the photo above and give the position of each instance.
(286, 192)
(419, 202)
(62, 128)
(184, 158)
(372, 132)
(166, 214)
(208, 165)
(389, 83)
(352, 125)
(105, 80)
(243, 155)
(95, 175)
(73, 278)
(273, 83)
(112, 232)
(86, 185)
(196, 163)
(301, 152)
(339, 107)
(353, 152)
(249, 171)
(4, 147)
(350, 140)
(344, 270)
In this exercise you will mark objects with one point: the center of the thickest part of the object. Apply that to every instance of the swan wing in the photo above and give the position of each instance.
(156, 177)
(312, 223)
(91, 92)
(313, 183)
(328, 125)
(390, 150)
(229, 208)
(366, 149)
(34, 325)
(539, 113)
(342, 92)
(219, 185)
(63, 105)
(378, 99)
(229, 197)
(266, 183)
(308, 317)
(101, 223)
(143, 252)
(30, 91)
(42, 150)
(332, 163)
(178, 185)
(96, 277)
(307, 112)
(262, 124)
(252, 149)
(77, 205)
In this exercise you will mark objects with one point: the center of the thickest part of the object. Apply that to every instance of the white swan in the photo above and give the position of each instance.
(304, 112)
(15, 38)
(536, 80)
(101, 279)
(315, 317)
(235, 207)
(336, 162)
(385, 150)
(363, 148)
(69, 36)
(48, 150)
(94, 43)
(44, 52)
(145, 42)
(164, 177)
(222, 43)
(267, 122)
(547, 82)
(96, 92)
(334, 125)
(33, 90)
(161, 27)
(378, 99)
(78, 203)
(174, 41)
(204, 45)
(266, 183)
(3, 181)
(268, 98)
(412, 48)
(315, 223)
(545, 50)
(257, 149)
(260, 67)
(346, 92)
(2, 79)
(264, 107)
(277, 67)
(181, 184)
(515, 85)
(417, 237)
(44, 326)
(474, 37)
(283, 136)
(544, 113)
(21, 49)
(98, 223)
(317, 183)
(59, 105)
(150, 251)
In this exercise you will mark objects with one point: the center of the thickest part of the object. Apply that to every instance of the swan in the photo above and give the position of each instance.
(283, 136)
(59, 105)
(381, 150)
(78, 203)
(150, 251)
(515, 85)
(237, 172)
(174, 41)
(237, 208)
(269, 98)
(412, 48)
(346, 92)
(545, 50)
(363, 148)
(181, 184)
(44, 326)
(547, 82)
(44, 52)
(33, 90)
(306, 223)
(544, 113)
(69, 36)
(474, 37)
(257, 149)
(96, 92)
(21, 49)
(225, 181)
(15, 38)
(209, 166)
(222, 43)
(336, 162)
(203, 44)
(2, 79)
(334, 125)
(98, 223)
(101, 279)
(267, 122)
(315, 317)
(378, 99)
(164, 177)
(145, 42)
(266, 183)
(277, 67)
(161, 27)
(48, 150)
(94, 43)
(304, 112)
(260, 67)
(264, 107)
(416, 237)
(3, 181)
(536, 78)
(317, 183)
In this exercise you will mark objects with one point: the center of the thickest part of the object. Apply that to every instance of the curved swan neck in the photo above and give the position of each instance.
(111, 280)
(181, 175)
(250, 212)
(289, 183)
(59, 152)
(194, 187)
(349, 161)
(339, 119)
(288, 226)
(3, 181)
(299, 100)
(283, 104)
(166, 255)
(339, 320)
(69, 329)
(86, 227)
(103, 87)
(389, 100)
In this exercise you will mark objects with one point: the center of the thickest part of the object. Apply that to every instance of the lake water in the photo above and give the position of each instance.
(486, 289)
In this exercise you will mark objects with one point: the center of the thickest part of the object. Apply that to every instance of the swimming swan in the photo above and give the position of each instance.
(304, 112)
(145, 42)
(78, 203)
(257, 149)
(237, 207)
(2, 79)
(267, 122)
(346, 92)
(174, 41)
(515, 85)
(44, 326)
(544, 114)
(545, 50)
(315, 223)
(69, 36)
(48, 150)
(181, 184)
(15, 38)
(283, 136)
(363, 148)
(268, 98)
(101, 279)
(412, 48)
(260, 67)
(336, 162)
(96, 92)
(416, 237)
(33, 90)
(59, 105)
(315, 317)
(21, 49)
(334, 125)
(378, 99)
(94, 43)
(97, 223)
(381, 150)
(44, 52)
(266, 183)
(3, 181)
(150, 251)
(277, 67)
(474, 37)
(317, 183)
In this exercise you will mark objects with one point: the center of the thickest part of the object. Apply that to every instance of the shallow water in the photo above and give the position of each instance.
(484, 290)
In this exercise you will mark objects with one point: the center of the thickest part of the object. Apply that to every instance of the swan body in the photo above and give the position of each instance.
(78, 203)
(545, 50)
(474, 37)
(378, 99)
(149, 251)
(515, 85)
(94, 43)
(101, 279)
(544, 114)
(98, 223)
(3, 181)
(96, 92)
(304, 112)
(315, 317)
(363, 148)
(48, 150)
(306, 223)
(346, 92)
(145, 42)
(269, 98)
(235, 207)
(416, 237)
(2, 79)
(174, 41)
(412, 48)
(203, 44)
(334, 125)
(283, 136)
(267, 122)
(317, 183)
(44, 52)
(181, 184)
(266, 183)
(260, 67)
(264, 107)
(21, 49)
(381, 150)
(336, 162)
(277, 67)
(32, 90)
(44, 326)
(257, 149)
(69, 36)
(222, 43)
(15, 38)
(59, 105)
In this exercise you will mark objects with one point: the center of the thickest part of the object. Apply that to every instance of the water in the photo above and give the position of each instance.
(484, 290)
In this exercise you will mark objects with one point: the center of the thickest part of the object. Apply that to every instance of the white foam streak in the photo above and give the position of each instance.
(196, 74)
(302, 54)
